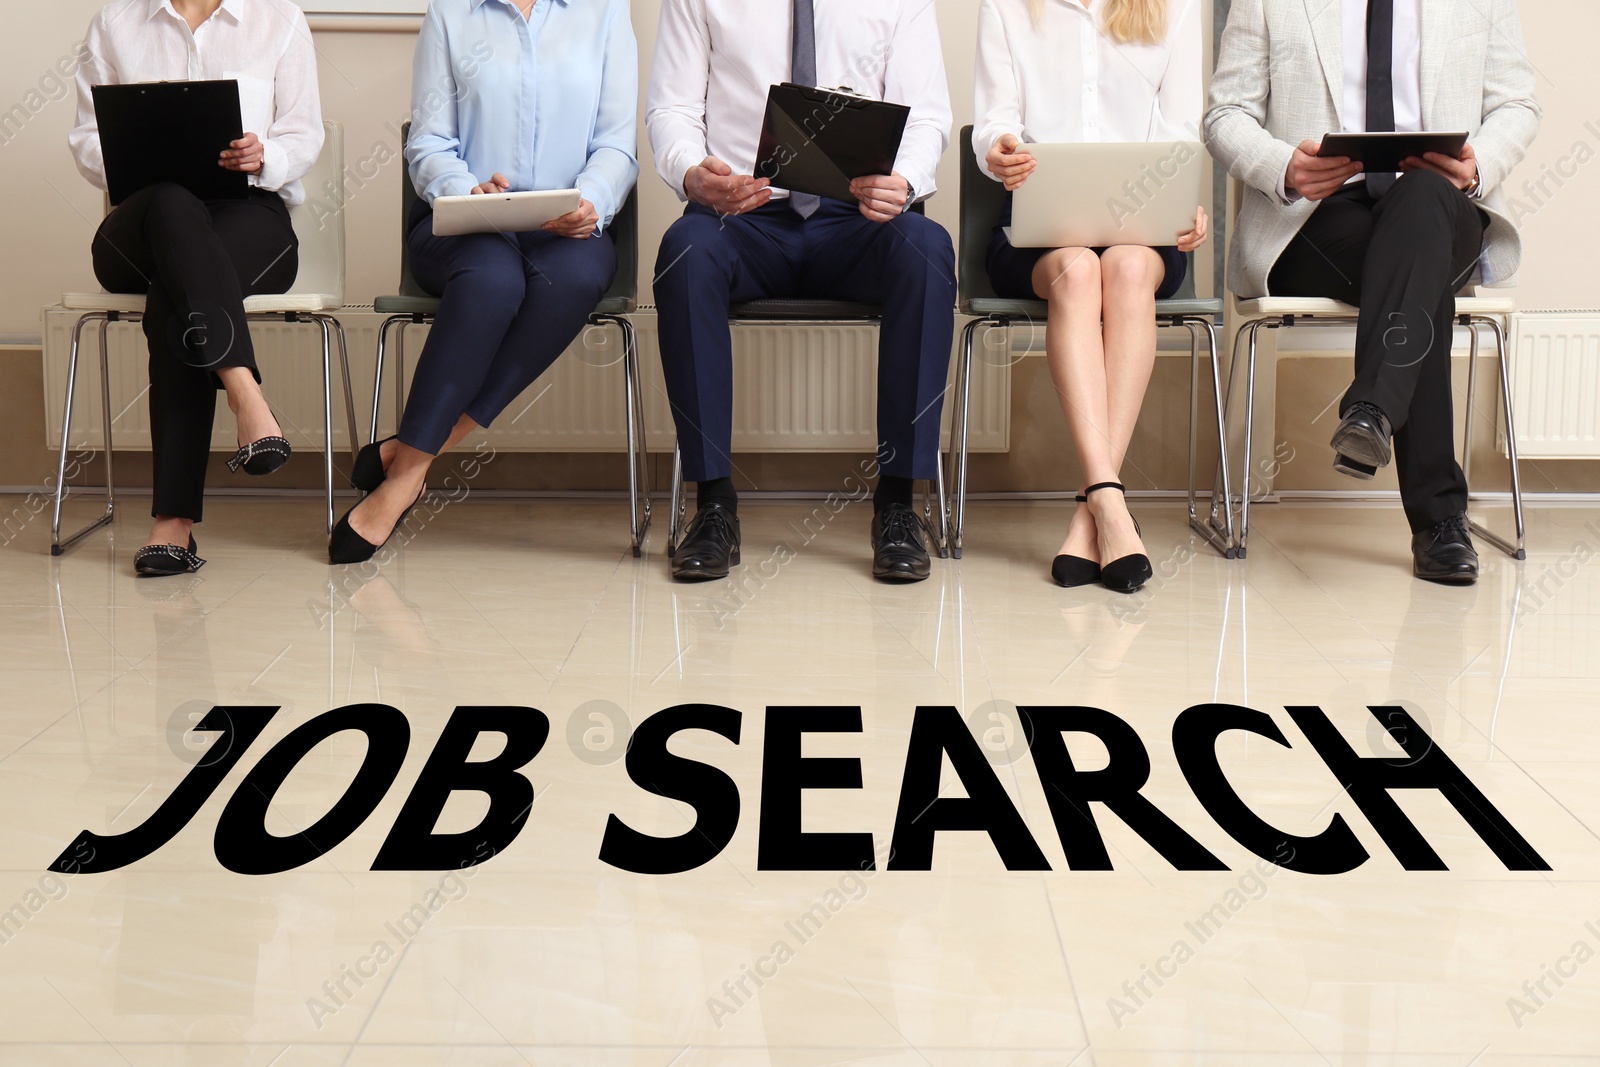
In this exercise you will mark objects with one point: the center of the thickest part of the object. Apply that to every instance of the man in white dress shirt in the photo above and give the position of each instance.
(740, 240)
(1399, 245)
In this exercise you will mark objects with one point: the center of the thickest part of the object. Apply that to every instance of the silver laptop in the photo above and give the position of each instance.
(501, 212)
(1091, 195)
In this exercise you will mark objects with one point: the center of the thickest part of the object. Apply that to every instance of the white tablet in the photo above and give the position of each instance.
(501, 212)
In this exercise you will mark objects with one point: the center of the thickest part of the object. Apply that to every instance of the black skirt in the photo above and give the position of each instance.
(1011, 269)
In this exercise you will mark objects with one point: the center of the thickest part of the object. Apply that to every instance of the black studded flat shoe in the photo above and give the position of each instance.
(262, 456)
(368, 472)
(163, 561)
(1072, 571)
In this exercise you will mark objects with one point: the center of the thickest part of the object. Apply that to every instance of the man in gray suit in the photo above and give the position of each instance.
(1398, 245)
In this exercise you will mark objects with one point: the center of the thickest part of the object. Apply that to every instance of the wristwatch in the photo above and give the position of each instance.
(1474, 186)
(911, 196)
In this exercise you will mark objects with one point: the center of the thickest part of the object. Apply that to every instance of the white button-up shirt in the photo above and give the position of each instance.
(265, 45)
(716, 59)
(1406, 72)
(1063, 79)
(1405, 75)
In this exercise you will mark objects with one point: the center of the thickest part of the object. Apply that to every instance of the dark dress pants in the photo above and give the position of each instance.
(195, 261)
(1401, 259)
(708, 262)
(509, 304)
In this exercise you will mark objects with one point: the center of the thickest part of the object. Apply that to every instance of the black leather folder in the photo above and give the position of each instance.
(817, 140)
(153, 132)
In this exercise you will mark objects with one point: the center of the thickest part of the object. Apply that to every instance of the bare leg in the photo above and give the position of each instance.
(170, 531)
(1069, 278)
(1129, 277)
(406, 473)
(249, 405)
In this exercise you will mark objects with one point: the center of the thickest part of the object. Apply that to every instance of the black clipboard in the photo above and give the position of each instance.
(817, 140)
(154, 132)
(1381, 153)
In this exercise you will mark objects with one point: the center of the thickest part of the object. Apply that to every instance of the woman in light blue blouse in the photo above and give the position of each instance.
(506, 95)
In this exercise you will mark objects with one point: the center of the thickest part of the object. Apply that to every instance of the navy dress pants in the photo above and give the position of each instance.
(509, 305)
(708, 262)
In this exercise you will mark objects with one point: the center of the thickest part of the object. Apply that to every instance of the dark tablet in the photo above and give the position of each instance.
(1381, 153)
(154, 132)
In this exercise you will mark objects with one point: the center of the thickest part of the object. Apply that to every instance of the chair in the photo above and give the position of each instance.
(1283, 312)
(982, 200)
(318, 290)
(414, 306)
(799, 311)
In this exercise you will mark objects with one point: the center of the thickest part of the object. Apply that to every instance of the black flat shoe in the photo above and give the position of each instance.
(1126, 574)
(899, 552)
(347, 546)
(261, 457)
(710, 545)
(368, 472)
(1363, 436)
(1073, 571)
(1443, 553)
(163, 561)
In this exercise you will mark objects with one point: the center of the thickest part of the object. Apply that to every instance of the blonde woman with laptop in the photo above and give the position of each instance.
(1053, 71)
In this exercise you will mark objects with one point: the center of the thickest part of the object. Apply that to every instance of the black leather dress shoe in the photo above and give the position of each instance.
(710, 545)
(899, 552)
(1363, 436)
(1444, 553)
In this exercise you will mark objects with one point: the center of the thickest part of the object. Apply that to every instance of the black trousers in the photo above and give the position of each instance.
(1401, 260)
(195, 261)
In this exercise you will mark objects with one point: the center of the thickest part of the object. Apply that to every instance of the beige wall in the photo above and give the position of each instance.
(50, 213)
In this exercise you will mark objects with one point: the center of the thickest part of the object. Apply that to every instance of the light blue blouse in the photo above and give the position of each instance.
(551, 102)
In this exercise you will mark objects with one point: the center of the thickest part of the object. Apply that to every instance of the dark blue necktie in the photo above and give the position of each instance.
(1380, 81)
(803, 71)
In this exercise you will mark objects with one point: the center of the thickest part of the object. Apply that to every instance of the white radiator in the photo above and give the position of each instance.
(796, 389)
(1555, 384)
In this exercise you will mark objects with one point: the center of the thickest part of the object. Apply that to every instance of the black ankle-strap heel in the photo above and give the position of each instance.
(1126, 574)
(1070, 572)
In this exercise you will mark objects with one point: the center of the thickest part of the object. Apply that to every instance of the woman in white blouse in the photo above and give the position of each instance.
(196, 260)
(1052, 71)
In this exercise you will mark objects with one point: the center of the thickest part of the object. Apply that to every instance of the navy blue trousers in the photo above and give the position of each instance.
(708, 262)
(509, 305)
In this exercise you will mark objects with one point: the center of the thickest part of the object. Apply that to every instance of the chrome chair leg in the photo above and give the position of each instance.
(1519, 549)
(676, 508)
(638, 491)
(58, 545)
(960, 438)
(1242, 543)
(327, 417)
(349, 391)
(1222, 542)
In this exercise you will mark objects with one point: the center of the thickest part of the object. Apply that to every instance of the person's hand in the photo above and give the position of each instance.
(579, 223)
(883, 196)
(1008, 164)
(1460, 172)
(1316, 178)
(1188, 242)
(498, 183)
(243, 155)
(714, 184)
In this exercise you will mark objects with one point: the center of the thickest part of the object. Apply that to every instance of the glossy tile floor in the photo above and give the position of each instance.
(545, 955)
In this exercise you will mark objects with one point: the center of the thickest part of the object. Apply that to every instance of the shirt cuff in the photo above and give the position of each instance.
(1283, 186)
(598, 193)
(676, 167)
(274, 167)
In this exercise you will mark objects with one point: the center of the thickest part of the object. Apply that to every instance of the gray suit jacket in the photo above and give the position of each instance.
(1280, 81)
